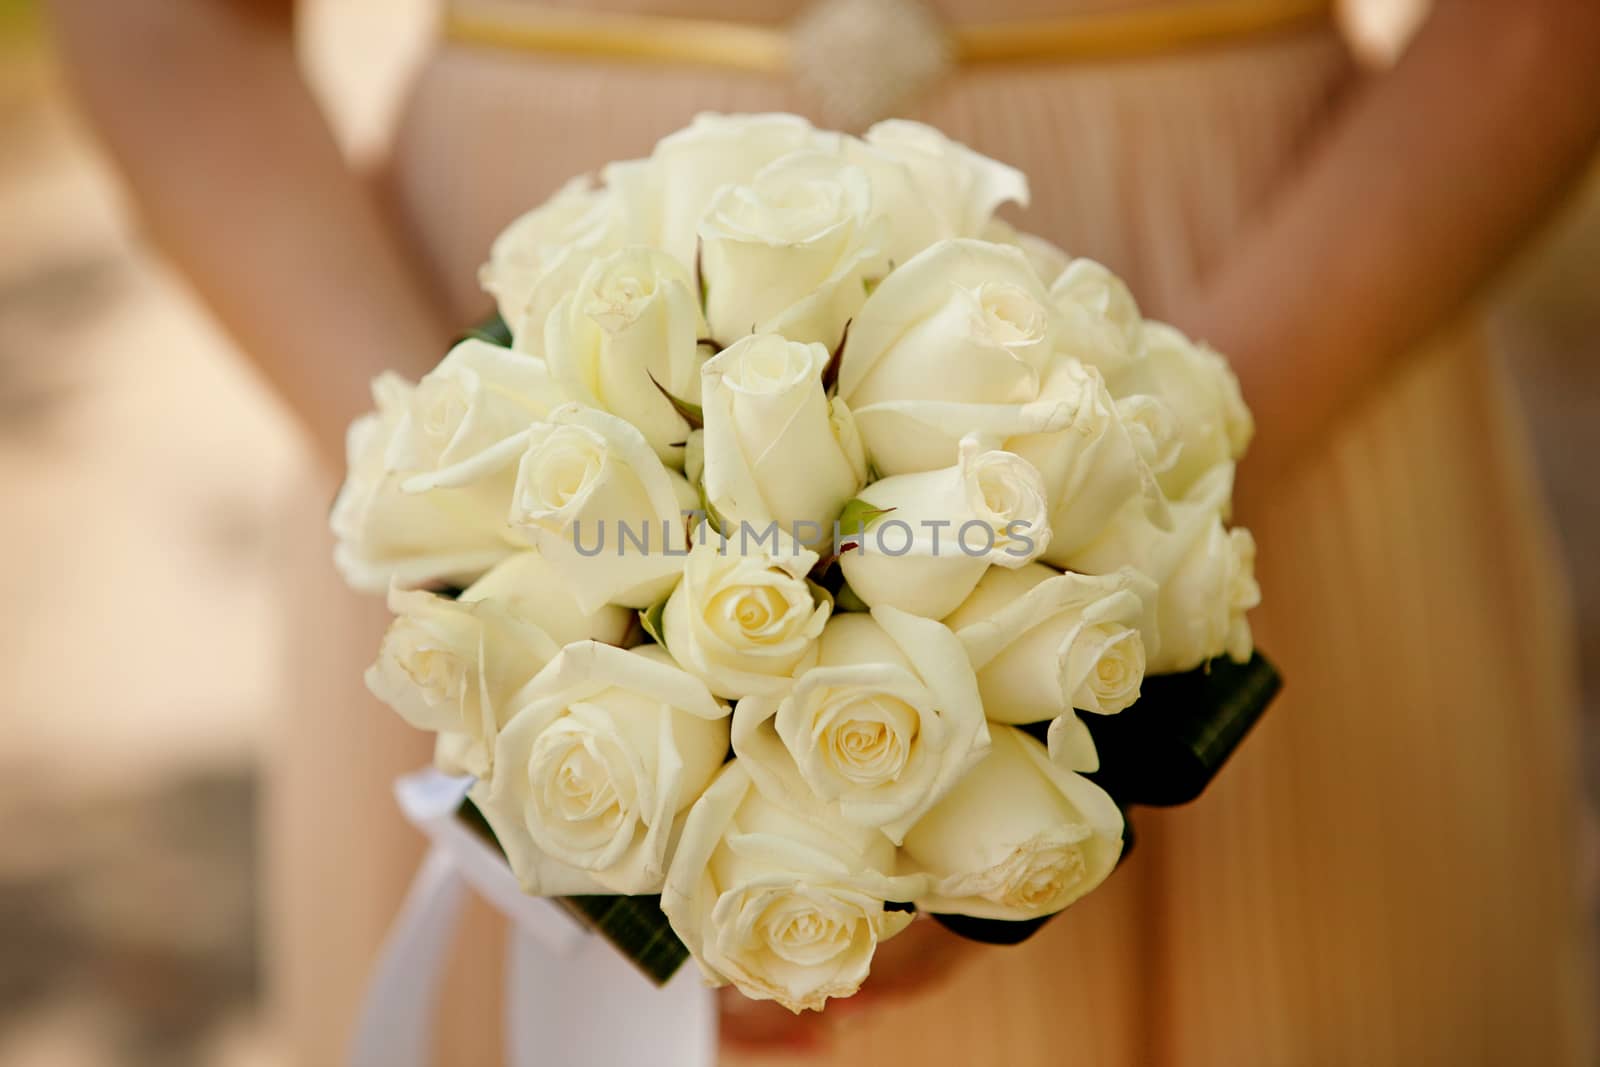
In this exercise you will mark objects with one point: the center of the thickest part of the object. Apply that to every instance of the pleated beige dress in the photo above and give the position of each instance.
(1388, 873)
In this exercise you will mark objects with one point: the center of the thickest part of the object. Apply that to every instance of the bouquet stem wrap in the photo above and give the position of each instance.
(571, 999)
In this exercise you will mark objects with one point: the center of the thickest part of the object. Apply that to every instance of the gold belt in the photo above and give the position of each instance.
(768, 49)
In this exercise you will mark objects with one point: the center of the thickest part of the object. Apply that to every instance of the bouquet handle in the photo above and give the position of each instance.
(571, 1000)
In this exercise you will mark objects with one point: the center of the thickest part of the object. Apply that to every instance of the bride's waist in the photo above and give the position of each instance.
(1159, 150)
(776, 36)
(776, 12)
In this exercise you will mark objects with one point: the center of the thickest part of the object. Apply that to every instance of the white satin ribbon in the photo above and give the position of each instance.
(571, 999)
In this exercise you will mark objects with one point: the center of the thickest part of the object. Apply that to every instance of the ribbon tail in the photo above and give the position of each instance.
(592, 1008)
(571, 999)
(395, 1027)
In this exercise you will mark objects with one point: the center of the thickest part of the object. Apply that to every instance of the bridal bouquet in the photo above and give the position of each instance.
(803, 549)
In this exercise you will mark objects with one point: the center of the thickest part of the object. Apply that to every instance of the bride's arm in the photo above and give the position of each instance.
(1418, 192)
(239, 181)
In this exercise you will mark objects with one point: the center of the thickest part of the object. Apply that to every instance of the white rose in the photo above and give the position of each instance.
(451, 666)
(1154, 430)
(956, 341)
(597, 501)
(576, 222)
(605, 750)
(786, 904)
(941, 529)
(1212, 425)
(1101, 324)
(665, 197)
(1206, 574)
(1019, 838)
(456, 754)
(883, 726)
(467, 411)
(789, 252)
(1044, 643)
(745, 619)
(1046, 258)
(938, 188)
(629, 329)
(388, 536)
(1093, 465)
(776, 449)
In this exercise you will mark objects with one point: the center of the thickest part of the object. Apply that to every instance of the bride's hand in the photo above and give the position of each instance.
(918, 960)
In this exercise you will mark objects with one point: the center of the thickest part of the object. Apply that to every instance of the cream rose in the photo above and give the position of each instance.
(577, 222)
(1211, 424)
(789, 252)
(664, 197)
(1101, 324)
(1205, 571)
(468, 412)
(604, 751)
(1043, 643)
(938, 531)
(884, 725)
(1092, 466)
(1045, 257)
(593, 496)
(938, 188)
(776, 449)
(786, 904)
(451, 666)
(1154, 430)
(1018, 838)
(629, 329)
(956, 341)
(386, 535)
(745, 619)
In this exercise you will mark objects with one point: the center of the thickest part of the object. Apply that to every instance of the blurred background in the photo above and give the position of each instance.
(137, 651)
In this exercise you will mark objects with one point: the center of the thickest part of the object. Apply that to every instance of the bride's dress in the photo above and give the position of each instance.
(1387, 873)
